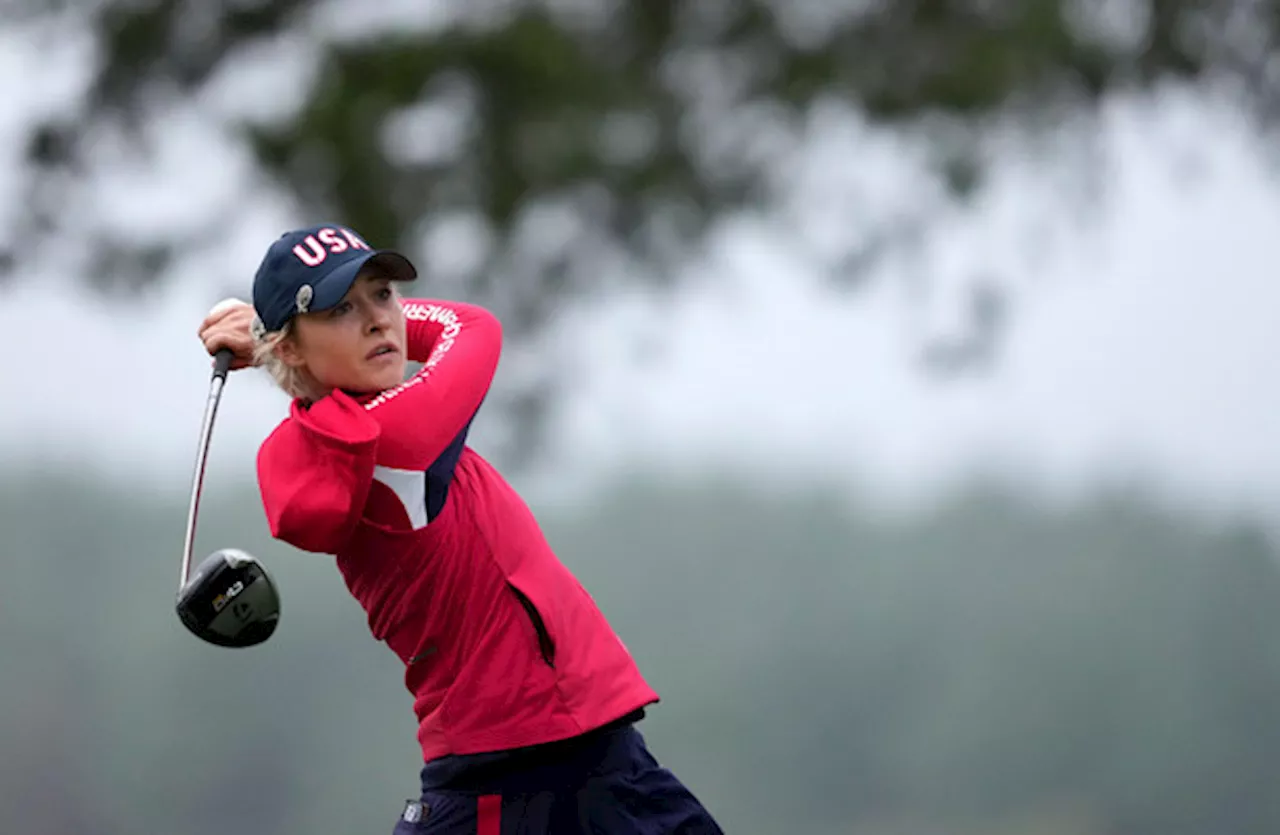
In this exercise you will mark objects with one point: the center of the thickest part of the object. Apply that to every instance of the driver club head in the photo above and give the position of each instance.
(230, 600)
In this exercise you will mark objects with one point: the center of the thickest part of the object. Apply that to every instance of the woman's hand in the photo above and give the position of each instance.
(227, 326)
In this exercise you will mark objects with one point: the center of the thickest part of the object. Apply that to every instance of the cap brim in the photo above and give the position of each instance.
(331, 289)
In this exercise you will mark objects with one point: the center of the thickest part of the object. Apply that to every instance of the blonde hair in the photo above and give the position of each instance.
(295, 382)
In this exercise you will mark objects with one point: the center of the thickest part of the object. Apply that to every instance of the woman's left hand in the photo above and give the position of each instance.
(227, 326)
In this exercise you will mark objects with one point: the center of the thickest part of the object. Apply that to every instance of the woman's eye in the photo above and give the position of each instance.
(339, 309)
(384, 293)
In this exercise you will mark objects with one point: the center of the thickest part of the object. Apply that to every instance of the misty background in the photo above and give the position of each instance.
(899, 378)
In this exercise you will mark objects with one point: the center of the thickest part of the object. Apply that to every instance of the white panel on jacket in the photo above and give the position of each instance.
(411, 487)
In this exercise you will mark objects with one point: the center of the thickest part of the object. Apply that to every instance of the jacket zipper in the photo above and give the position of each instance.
(546, 646)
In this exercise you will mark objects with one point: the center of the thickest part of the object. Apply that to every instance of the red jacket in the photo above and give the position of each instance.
(501, 644)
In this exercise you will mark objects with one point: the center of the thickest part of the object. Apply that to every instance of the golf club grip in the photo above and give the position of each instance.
(222, 362)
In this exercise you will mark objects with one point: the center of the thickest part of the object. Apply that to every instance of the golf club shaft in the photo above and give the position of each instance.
(221, 364)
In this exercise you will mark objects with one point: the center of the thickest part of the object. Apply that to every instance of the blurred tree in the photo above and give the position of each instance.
(582, 145)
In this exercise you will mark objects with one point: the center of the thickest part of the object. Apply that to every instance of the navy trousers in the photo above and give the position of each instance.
(602, 783)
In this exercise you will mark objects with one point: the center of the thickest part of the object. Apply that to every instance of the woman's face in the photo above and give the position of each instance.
(358, 345)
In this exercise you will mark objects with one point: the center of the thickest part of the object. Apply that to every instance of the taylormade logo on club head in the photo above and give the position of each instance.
(315, 249)
(220, 602)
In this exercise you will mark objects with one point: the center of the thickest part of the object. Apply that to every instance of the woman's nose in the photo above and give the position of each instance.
(379, 320)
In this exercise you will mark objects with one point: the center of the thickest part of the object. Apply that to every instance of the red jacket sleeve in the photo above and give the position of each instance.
(316, 468)
(314, 473)
(459, 345)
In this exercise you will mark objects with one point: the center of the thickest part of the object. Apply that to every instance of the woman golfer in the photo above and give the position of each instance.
(526, 700)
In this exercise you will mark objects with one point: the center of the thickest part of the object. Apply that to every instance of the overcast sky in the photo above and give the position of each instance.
(1148, 343)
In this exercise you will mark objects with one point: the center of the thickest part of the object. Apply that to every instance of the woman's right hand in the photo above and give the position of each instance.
(227, 326)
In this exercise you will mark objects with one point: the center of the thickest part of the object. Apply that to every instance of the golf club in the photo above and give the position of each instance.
(231, 600)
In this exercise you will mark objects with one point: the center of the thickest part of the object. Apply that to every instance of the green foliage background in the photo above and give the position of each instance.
(987, 666)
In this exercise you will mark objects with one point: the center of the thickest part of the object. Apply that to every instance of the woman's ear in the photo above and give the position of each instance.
(287, 351)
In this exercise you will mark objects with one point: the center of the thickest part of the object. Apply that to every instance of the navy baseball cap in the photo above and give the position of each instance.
(312, 269)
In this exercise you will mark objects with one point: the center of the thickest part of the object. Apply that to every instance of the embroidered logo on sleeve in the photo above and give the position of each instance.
(448, 336)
